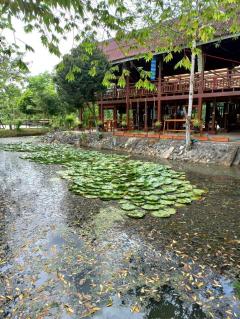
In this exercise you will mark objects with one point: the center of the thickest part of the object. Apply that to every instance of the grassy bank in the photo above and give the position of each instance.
(23, 132)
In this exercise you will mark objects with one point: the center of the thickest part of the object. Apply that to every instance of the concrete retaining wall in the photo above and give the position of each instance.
(201, 152)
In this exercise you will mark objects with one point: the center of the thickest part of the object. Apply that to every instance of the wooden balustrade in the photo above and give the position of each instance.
(213, 81)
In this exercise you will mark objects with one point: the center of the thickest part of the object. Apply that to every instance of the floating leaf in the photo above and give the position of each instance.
(136, 214)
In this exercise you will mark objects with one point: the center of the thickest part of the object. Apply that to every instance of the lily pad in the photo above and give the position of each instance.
(134, 184)
(128, 207)
(160, 214)
(184, 200)
(136, 214)
(151, 206)
(152, 198)
(199, 192)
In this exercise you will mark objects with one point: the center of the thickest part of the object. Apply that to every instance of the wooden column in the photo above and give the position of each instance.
(159, 92)
(80, 116)
(99, 112)
(115, 116)
(146, 117)
(213, 129)
(102, 115)
(201, 63)
(127, 101)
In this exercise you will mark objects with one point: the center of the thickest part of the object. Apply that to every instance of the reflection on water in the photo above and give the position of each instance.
(169, 307)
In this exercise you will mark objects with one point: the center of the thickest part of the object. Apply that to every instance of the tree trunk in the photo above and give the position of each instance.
(190, 99)
(80, 114)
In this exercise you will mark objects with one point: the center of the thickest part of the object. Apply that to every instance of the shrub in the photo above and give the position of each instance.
(70, 119)
(158, 124)
(124, 124)
(196, 123)
(18, 123)
(57, 122)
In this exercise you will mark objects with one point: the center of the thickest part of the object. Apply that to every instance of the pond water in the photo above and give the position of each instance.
(66, 256)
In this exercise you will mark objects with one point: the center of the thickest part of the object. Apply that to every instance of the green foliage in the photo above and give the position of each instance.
(27, 103)
(124, 124)
(71, 121)
(77, 86)
(110, 76)
(196, 123)
(10, 72)
(8, 103)
(40, 96)
(99, 123)
(139, 187)
(18, 123)
(122, 78)
(57, 122)
(52, 20)
(70, 118)
(184, 63)
(158, 124)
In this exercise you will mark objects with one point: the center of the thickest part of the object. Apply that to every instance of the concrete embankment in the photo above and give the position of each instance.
(226, 154)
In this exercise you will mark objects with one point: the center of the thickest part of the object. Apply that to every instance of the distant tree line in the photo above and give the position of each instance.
(70, 89)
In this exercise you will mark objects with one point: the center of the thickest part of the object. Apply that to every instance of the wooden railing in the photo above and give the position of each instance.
(212, 81)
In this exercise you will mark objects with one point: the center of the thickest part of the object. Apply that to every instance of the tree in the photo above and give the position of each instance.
(79, 77)
(11, 81)
(40, 96)
(8, 103)
(54, 19)
(26, 103)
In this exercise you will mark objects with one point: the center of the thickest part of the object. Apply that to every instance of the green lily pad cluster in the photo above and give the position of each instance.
(139, 187)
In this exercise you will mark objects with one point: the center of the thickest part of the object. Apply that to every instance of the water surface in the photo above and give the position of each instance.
(63, 256)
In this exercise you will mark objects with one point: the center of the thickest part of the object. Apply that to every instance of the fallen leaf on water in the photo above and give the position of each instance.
(90, 312)
(199, 284)
(69, 309)
(135, 308)
(110, 303)
(82, 281)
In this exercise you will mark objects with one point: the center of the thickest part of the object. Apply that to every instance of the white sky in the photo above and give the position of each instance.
(40, 60)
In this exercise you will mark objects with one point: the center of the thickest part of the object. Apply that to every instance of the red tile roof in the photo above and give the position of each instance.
(117, 52)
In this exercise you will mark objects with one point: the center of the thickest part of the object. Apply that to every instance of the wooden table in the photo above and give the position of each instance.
(175, 121)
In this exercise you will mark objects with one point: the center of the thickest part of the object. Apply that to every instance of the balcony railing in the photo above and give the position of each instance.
(212, 81)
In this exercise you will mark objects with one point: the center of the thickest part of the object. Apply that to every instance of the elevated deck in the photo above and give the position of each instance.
(210, 84)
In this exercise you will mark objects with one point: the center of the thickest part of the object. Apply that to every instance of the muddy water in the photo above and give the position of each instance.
(63, 256)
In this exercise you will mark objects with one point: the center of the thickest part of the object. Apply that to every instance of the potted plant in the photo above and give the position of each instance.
(100, 125)
(196, 125)
(124, 125)
(157, 126)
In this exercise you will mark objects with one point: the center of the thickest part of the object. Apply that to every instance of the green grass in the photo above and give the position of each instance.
(23, 132)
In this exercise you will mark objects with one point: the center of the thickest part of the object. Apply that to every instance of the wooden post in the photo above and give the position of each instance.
(102, 116)
(80, 116)
(214, 117)
(146, 117)
(127, 101)
(159, 93)
(138, 116)
(200, 114)
(115, 116)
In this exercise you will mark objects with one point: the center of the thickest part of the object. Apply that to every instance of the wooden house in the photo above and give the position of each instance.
(216, 89)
